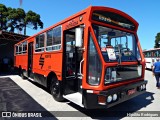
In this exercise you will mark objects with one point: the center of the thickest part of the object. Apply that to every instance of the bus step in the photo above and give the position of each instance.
(31, 79)
(75, 98)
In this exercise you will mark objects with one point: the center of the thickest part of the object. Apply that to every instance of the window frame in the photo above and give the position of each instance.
(54, 45)
(17, 49)
(42, 49)
(20, 51)
(133, 42)
(91, 39)
(24, 51)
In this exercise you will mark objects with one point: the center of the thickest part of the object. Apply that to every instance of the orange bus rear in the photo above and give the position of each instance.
(92, 58)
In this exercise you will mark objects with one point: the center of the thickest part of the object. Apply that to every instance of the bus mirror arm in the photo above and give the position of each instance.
(79, 36)
(80, 68)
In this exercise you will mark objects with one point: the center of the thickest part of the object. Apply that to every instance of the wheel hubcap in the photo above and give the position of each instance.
(55, 88)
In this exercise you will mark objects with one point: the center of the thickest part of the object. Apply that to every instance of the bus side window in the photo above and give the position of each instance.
(53, 41)
(20, 48)
(24, 47)
(39, 46)
(158, 53)
(17, 49)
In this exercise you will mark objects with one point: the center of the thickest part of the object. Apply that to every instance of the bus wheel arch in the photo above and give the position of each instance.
(54, 86)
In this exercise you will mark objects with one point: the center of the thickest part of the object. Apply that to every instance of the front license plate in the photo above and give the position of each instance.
(132, 91)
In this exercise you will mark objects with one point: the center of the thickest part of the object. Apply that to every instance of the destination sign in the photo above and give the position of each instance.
(113, 19)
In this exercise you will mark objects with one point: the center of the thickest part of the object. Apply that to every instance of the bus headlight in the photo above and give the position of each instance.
(144, 86)
(141, 87)
(115, 97)
(109, 98)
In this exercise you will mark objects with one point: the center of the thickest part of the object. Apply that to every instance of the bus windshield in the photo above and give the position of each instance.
(116, 45)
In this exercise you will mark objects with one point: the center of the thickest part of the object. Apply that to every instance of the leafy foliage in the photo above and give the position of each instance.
(3, 15)
(157, 41)
(12, 18)
(33, 19)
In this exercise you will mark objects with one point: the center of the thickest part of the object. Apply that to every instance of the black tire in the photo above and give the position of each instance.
(56, 89)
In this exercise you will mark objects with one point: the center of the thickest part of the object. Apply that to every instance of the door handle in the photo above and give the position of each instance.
(80, 69)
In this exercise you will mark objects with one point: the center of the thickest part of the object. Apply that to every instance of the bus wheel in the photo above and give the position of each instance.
(56, 90)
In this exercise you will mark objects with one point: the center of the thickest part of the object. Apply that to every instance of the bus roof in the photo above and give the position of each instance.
(88, 10)
(152, 49)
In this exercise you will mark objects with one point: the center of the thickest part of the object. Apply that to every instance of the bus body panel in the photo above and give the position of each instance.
(149, 62)
(21, 61)
(150, 57)
(45, 63)
(123, 94)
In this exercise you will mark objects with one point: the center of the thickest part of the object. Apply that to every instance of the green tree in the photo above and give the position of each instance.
(157, 41)
(20, 20)
(3, 17)
(17, 18)
(32, 20)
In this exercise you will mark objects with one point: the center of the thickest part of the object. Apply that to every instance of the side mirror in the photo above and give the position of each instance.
(79, 35)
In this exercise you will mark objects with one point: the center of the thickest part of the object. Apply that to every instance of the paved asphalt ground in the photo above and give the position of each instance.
(18, 95)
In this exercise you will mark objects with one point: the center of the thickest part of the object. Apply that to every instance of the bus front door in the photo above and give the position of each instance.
(30, 59)
(72, 60)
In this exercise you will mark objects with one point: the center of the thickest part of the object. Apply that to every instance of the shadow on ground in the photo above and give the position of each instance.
(15, 99)
(114, 113)
(117, 112)
(12, 71)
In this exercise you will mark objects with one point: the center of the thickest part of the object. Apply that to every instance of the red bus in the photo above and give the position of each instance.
(92, 58)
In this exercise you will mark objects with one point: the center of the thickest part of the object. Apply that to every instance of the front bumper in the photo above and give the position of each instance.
(90, 100)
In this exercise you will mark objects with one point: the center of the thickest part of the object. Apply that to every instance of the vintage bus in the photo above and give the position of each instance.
(92, 58)
(150, 56)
